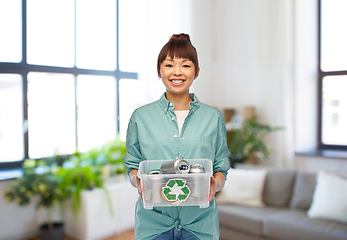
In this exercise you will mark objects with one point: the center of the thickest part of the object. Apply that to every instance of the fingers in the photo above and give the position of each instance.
(211, 194)
(133, 177)
(139, 187)
(212, 188)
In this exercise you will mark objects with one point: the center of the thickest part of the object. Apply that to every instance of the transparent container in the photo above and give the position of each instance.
(164, 190)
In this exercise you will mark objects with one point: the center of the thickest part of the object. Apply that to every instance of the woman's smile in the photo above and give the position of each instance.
(177, 82)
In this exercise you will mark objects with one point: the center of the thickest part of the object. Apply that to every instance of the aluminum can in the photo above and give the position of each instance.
(196, 185)
(178, 166)
(154, 172)
(197, 168)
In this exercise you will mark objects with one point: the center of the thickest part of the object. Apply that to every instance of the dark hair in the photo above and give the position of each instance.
(179, 46)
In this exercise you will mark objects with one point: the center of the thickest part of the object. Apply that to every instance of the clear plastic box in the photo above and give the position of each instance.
(162, 190)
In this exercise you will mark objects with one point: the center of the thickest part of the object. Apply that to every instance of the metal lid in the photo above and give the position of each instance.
(154, 172)
(197, 168)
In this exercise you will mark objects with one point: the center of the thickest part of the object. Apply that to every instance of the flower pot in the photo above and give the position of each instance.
(57, 233)
(251, 160)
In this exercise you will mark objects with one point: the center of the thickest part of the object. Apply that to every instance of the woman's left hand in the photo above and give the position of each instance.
(216, 184)
(212, 187)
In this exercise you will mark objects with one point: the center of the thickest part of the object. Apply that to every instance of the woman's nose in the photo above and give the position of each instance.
(177, 71)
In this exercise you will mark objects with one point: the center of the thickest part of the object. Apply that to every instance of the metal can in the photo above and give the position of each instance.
(197, 168)
(196, 185)
(178, 166)
(154, 172)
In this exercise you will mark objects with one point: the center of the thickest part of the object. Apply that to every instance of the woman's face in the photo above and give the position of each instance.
(177, 74)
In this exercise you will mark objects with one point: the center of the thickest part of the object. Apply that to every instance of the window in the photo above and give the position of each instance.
(332, 74)
(59, 77)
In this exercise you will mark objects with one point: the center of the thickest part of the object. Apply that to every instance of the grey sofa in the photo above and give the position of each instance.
(287, 195)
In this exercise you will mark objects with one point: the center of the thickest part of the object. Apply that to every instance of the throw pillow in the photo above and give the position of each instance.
(329, 198)
(278, 187)
(304, 186)
(243, 187)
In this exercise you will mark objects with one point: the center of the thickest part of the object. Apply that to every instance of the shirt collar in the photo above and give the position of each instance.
(166, 105)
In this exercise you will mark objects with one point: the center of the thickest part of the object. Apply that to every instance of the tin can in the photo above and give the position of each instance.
(153, 193)
(156, 182)
(197, 168)
(152, 188)
(154, 172)
(197, 186)
(178, 166)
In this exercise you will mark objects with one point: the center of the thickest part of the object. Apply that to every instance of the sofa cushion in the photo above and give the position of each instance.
(295, 224)
(246, 219)
(278, 187)
(303, 190)
(330, 198)
(243, 187)
(227, 233)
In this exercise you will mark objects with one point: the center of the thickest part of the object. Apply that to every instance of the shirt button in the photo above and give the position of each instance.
(175, 136)
(173, 119)
(170, 104)
(182, 137)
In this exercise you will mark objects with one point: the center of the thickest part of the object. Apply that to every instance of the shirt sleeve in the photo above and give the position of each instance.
(221, 162)
(133, 157)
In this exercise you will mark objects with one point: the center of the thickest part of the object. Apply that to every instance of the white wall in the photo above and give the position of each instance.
(306, 75)
(226, 35)
(246, 55)
(316, 163)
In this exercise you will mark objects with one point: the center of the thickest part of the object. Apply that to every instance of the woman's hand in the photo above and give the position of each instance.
(212, 187)
(135, 181)
(216, 184)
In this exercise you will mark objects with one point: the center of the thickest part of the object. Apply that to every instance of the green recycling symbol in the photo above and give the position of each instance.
(176, 189)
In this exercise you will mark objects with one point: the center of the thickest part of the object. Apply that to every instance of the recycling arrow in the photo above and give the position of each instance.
(176, 189)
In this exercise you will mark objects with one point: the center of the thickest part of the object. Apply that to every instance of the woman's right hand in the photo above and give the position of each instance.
(135, 181)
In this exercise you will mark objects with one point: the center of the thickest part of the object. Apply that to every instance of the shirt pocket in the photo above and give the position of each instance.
(206, 148)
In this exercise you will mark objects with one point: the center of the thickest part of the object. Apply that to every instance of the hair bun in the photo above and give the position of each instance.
(181, 36)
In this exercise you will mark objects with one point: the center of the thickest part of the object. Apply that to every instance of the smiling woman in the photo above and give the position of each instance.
(177, 126)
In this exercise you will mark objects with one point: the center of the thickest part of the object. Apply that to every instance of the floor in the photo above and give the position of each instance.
(128, 235)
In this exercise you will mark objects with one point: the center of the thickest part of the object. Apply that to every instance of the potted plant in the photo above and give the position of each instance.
(246, 143)
(114, 152)
(107, 159)
(47, 187)
(77, 175)
(75, 180)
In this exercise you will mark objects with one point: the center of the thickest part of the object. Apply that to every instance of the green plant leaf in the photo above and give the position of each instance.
(245, 141)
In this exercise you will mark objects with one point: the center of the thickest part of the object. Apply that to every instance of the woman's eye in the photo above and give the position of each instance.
(168, 65)
(186, 66)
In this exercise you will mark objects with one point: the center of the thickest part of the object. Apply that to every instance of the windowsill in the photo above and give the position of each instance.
(342, 154)
(10, 173)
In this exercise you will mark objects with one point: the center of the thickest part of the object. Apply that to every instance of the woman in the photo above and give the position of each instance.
(177, 126)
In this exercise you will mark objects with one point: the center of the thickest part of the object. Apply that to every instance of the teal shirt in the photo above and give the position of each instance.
(153, 135)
